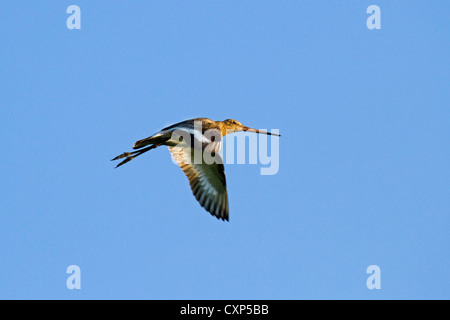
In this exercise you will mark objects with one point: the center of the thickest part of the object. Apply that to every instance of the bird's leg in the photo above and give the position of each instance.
(125, 154)
(131, 155)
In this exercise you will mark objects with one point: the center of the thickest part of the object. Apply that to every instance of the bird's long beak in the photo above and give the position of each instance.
(259, 131)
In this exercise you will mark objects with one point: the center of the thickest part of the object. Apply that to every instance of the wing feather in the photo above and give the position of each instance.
(207, 181)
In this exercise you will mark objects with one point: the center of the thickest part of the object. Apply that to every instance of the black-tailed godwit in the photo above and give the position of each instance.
(194, 145)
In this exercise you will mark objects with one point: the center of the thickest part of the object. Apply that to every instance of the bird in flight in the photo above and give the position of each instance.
(195, 144)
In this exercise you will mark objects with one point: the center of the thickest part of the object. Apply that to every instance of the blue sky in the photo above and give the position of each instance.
(364, 153)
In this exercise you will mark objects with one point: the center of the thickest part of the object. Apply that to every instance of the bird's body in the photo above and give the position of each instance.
(195, 145)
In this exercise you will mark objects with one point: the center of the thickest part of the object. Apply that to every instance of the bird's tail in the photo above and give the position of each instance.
(152, 142)
(131, 155)
(159, 139)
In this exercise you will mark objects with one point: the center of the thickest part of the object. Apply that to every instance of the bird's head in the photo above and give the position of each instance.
(231, 125)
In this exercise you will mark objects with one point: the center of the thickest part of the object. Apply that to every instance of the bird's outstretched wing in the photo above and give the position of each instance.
(207, 181)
